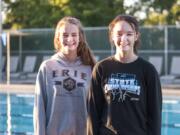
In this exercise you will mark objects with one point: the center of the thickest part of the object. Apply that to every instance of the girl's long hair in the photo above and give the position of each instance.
(83, 50)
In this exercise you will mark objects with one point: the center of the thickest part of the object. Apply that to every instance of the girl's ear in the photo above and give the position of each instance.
(137, 36)
(112, 37)
(112, 40)
(58, 40)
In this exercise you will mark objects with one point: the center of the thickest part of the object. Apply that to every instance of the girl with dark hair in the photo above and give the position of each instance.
(62, 83)
(125, 92)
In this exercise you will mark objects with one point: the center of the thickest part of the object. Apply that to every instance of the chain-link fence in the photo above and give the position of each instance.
(157, 41)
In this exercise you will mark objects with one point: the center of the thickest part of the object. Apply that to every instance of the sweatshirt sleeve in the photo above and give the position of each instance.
(154, 103)
(39, 117)
(95, 103)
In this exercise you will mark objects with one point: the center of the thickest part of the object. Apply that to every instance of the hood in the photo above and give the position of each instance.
(60, 57)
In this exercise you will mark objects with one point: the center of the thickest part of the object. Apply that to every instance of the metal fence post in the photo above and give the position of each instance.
(0, 42)
(166, 49)
(8, 58)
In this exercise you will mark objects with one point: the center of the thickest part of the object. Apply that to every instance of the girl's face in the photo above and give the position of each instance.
(69, 38)
(124, 37)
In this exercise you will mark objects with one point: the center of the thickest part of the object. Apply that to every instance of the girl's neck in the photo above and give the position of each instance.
(70, 56)
(126, 58)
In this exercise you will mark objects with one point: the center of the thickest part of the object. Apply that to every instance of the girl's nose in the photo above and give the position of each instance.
(124, 37)
(70, 38)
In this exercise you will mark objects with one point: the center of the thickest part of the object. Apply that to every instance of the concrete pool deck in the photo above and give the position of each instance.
(167, 90)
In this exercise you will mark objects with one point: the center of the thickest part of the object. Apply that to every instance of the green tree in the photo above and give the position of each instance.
(174, 17)
(156, 12)
(46, 13)
(31, 14)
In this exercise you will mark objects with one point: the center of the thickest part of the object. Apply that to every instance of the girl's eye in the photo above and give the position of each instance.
(119, 35)
(65, 35)
(74, 35)
(129, 34)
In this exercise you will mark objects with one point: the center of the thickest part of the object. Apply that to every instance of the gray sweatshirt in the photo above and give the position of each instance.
(60, 97)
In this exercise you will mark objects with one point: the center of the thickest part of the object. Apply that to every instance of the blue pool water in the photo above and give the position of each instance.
(22, 118)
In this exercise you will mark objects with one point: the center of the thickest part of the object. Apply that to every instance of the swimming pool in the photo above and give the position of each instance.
(21, 119)
(21, 114)
(171, 116)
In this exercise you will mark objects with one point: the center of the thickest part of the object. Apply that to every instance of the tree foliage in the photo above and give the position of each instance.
(46, 13)
(31, 14)
(157, 12)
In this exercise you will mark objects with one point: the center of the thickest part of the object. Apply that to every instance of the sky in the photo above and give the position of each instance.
(129, 2)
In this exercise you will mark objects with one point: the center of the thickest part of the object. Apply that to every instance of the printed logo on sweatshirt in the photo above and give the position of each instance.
(68, 82)
(68, 73)
(122, 85)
